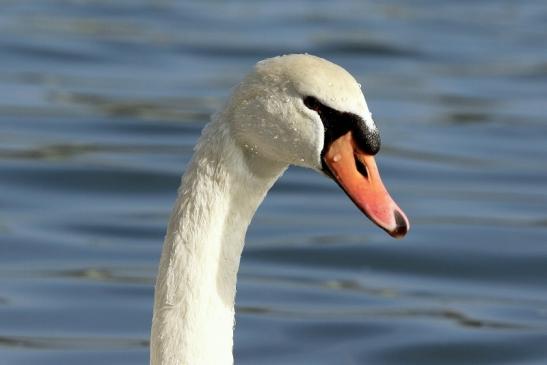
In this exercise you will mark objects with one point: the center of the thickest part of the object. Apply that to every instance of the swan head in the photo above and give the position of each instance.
(306, 111)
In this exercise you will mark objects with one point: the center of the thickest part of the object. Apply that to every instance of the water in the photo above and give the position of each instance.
(101, 102)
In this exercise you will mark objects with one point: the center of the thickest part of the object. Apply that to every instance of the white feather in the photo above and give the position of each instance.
(263, 128)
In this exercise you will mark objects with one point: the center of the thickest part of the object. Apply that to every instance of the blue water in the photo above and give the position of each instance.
(102, 101)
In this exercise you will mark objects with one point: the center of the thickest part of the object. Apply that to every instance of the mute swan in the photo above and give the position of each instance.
(295, 109)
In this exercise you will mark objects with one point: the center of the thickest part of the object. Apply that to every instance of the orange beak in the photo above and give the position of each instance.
(356, 172)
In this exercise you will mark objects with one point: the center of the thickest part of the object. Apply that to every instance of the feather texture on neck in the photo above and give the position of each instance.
(194, 302)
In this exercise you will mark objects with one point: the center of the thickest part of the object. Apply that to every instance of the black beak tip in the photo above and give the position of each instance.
(402, 228)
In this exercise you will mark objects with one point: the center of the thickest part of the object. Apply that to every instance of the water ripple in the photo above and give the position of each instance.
(71, 343)
(443, 314)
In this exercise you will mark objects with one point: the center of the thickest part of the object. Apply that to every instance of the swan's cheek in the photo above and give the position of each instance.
(280, 132)
(307, 146)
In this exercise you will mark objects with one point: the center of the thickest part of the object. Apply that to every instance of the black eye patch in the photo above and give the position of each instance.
(338, 123)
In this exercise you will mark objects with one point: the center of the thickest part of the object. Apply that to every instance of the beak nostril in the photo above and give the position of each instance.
(361, 167)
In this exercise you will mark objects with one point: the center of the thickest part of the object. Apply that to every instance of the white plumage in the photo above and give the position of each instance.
(264, 127)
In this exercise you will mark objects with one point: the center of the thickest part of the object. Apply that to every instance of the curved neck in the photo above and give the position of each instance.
(195, 288)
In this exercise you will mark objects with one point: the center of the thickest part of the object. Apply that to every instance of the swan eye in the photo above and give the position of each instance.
(312, 103)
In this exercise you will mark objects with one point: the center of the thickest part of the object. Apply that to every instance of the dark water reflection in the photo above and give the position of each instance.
(101, 103)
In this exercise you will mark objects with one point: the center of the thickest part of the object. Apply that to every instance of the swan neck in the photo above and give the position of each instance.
(195, 289)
